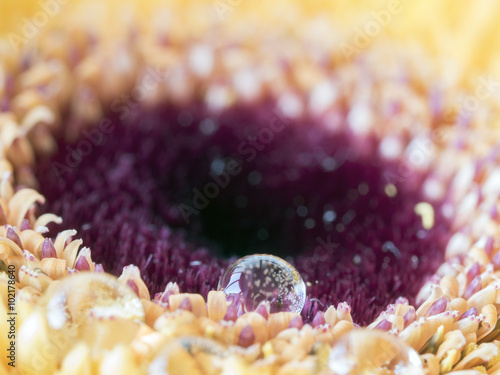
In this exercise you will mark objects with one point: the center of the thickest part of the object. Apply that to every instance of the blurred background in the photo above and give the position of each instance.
(463, 31)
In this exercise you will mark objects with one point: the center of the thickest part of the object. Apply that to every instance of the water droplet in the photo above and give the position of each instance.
(262, 277)
(363, 351)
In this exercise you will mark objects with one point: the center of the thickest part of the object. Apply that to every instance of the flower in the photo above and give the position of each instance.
(415, 156)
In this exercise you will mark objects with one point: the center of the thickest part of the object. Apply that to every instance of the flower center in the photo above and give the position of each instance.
(178, 191)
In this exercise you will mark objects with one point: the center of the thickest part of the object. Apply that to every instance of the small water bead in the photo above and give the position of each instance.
(261, 277)
(363, 351)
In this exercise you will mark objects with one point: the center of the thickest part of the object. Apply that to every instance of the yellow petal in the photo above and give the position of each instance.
(77, 361)
(216, 305)
(131, 276)
(21, 203)
(61, 240)
(37, 354)
(119, 361)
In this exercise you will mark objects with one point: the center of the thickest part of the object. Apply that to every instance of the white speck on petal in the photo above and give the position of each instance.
(360, 119)
(201, 60)
(56, 311)
(391, 147)
(322, 97)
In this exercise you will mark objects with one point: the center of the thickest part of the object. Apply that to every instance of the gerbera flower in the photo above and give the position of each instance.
(147, 149)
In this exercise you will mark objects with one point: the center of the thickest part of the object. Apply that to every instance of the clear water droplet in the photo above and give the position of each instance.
(364, 351)
(261, 277)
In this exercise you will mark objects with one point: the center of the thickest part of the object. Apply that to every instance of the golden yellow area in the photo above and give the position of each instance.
(426, 211)
(465, 30)
(390, 190)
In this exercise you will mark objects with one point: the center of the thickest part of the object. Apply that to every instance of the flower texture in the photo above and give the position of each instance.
(145, 148)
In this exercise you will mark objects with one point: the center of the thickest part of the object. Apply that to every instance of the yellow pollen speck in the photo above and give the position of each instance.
(426, 212)
(210, 332)
(481, 369)
(493, 361)
(323, 353)
(267, 349)
(450, 359)
(391, 190)
(469, 349)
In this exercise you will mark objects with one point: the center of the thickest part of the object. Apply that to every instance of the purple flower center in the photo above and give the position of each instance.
(182, 193)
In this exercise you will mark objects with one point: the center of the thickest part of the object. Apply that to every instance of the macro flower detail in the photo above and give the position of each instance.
(264, 278)
(147, 148)
(363, 352)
